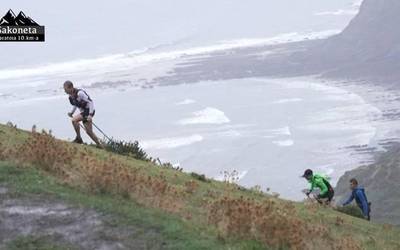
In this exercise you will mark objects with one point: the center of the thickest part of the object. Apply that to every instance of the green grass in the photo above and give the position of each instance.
(176, 233)
(175, 230)
(352, 210)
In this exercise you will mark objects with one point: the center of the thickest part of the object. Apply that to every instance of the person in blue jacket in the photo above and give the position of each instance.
(358, 193)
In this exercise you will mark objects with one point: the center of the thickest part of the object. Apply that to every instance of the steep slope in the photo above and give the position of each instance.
(210, 214)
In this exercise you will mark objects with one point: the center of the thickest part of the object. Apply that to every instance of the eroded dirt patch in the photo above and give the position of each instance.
(67, 224)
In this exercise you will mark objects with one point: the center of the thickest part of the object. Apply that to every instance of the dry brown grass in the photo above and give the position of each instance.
(267, 221)
(274, 223)
(109, 175)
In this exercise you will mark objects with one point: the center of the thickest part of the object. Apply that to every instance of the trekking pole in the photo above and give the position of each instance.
(305, 191)
(82, 127)
(101, 131)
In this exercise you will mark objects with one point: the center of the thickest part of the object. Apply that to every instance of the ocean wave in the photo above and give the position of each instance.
(30, 101)
(281, 131)
(229, 133)
(343, 12)
(284, 143)
(327, 169)
(337, 13)
(139, 58)
(206, 116)
(186, 102)
(357, 3)
(168, 143)
(282, 101)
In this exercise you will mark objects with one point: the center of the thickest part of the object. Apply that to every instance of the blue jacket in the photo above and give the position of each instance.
(361, 200)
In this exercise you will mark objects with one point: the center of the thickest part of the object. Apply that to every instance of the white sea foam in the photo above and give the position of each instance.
(230, 133)
(186, 102)
(282, 101)
(337, 13)
(206, 116)
(343, 12)
(167, 143)
(30, 101)
(281, 131)
(357, 3)
(284, 143)
(328, 169)
(129, 60)
(242, 174)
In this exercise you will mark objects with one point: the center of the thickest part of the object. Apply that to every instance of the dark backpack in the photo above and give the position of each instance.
(330, 188)
(80, 104)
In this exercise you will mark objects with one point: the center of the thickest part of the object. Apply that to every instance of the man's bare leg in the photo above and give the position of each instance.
(75, 123)
(89, 131)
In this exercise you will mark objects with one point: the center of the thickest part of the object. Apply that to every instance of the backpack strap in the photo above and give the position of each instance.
(85, 93)
(327, 184)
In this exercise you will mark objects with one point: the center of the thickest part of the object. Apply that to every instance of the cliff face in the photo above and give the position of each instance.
(374, 32)
(369, 48)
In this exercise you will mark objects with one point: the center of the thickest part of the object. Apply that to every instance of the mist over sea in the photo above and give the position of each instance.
(90, 29)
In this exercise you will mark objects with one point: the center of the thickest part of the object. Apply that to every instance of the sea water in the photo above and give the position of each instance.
(268, 130)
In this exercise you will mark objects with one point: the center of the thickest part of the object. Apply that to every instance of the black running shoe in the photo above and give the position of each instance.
(78, 140)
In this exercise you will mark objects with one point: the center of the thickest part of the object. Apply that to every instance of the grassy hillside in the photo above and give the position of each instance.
(188, 212)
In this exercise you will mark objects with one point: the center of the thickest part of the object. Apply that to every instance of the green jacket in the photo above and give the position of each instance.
(317, 181)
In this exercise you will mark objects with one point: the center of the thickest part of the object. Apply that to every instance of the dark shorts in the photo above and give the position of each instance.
(329, 195)
(368, 217)
(86, 113)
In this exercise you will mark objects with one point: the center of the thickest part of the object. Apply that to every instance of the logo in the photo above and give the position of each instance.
(20, 28)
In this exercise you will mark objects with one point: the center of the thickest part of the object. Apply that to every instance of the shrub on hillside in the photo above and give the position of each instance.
(134, 150)
(352, 210)
(200, 177)
(168, 165)
(126, 148)
(272, 223)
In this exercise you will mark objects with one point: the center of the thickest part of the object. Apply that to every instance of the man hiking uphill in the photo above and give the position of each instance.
(318, 181)
(79, 99)
(358, 193)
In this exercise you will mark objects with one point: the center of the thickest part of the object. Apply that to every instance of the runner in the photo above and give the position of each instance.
(79, 99)
(318, 181)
